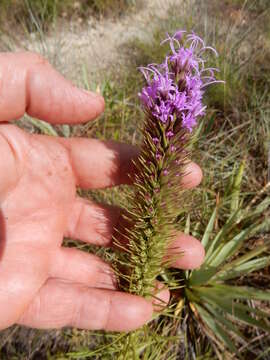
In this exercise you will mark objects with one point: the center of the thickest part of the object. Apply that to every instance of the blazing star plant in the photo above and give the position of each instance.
(172, 102)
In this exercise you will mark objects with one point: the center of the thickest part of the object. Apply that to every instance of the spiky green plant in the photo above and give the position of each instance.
(214, 304)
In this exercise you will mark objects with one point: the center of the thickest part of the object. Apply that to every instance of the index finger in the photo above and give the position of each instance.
(28, 83)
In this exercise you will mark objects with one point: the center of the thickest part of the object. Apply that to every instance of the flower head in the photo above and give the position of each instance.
(174, 90)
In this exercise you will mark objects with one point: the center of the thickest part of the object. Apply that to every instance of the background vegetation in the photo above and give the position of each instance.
(222, 310)
(47, 11)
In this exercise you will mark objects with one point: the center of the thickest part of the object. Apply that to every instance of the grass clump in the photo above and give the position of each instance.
(46, 12)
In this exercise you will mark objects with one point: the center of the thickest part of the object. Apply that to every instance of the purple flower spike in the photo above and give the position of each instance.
(174, 90)
(172, 103)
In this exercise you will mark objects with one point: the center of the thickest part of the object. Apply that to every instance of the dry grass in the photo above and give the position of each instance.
(45, 12)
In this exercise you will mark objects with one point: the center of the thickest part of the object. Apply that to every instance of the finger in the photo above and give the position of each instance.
(93, 223)
(96, 223)
(80, 267)
(186, 252)
(60, 304)
(87, 269)
(193, 176)
(30, 84)
(99, 164)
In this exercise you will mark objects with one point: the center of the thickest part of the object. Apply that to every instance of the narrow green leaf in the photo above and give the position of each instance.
(242, 259)
(209, 229)
(196, 135)
(224, 292)
(229, 183)
(244, 292)
(244, 269)
(222, 253)
(243, 313)
(43, 126)
(233, 245)
(219, 237)
(195, 232)
(264, 205)
(236, 188)
(216, 329)
(202, 275)
(220, 317)
(239, 311)
(259, 209)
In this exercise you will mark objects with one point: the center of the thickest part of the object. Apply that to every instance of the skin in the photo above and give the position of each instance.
(42, 284)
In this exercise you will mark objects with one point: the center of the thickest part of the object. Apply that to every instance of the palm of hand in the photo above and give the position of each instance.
(39, 208)
(35, 214)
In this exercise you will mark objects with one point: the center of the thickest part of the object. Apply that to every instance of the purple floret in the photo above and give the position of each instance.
(174, 90)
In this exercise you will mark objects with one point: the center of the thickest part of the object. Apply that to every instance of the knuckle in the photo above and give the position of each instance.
(107, 313)
(78, 307)
(92, 310)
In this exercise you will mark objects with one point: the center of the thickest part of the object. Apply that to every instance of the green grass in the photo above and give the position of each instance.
(232, 148)
(45, 12)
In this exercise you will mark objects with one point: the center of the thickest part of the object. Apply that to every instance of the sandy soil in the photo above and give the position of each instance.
(97, 44)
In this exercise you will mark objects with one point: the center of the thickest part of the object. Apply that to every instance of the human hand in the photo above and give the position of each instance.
(43, 284)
